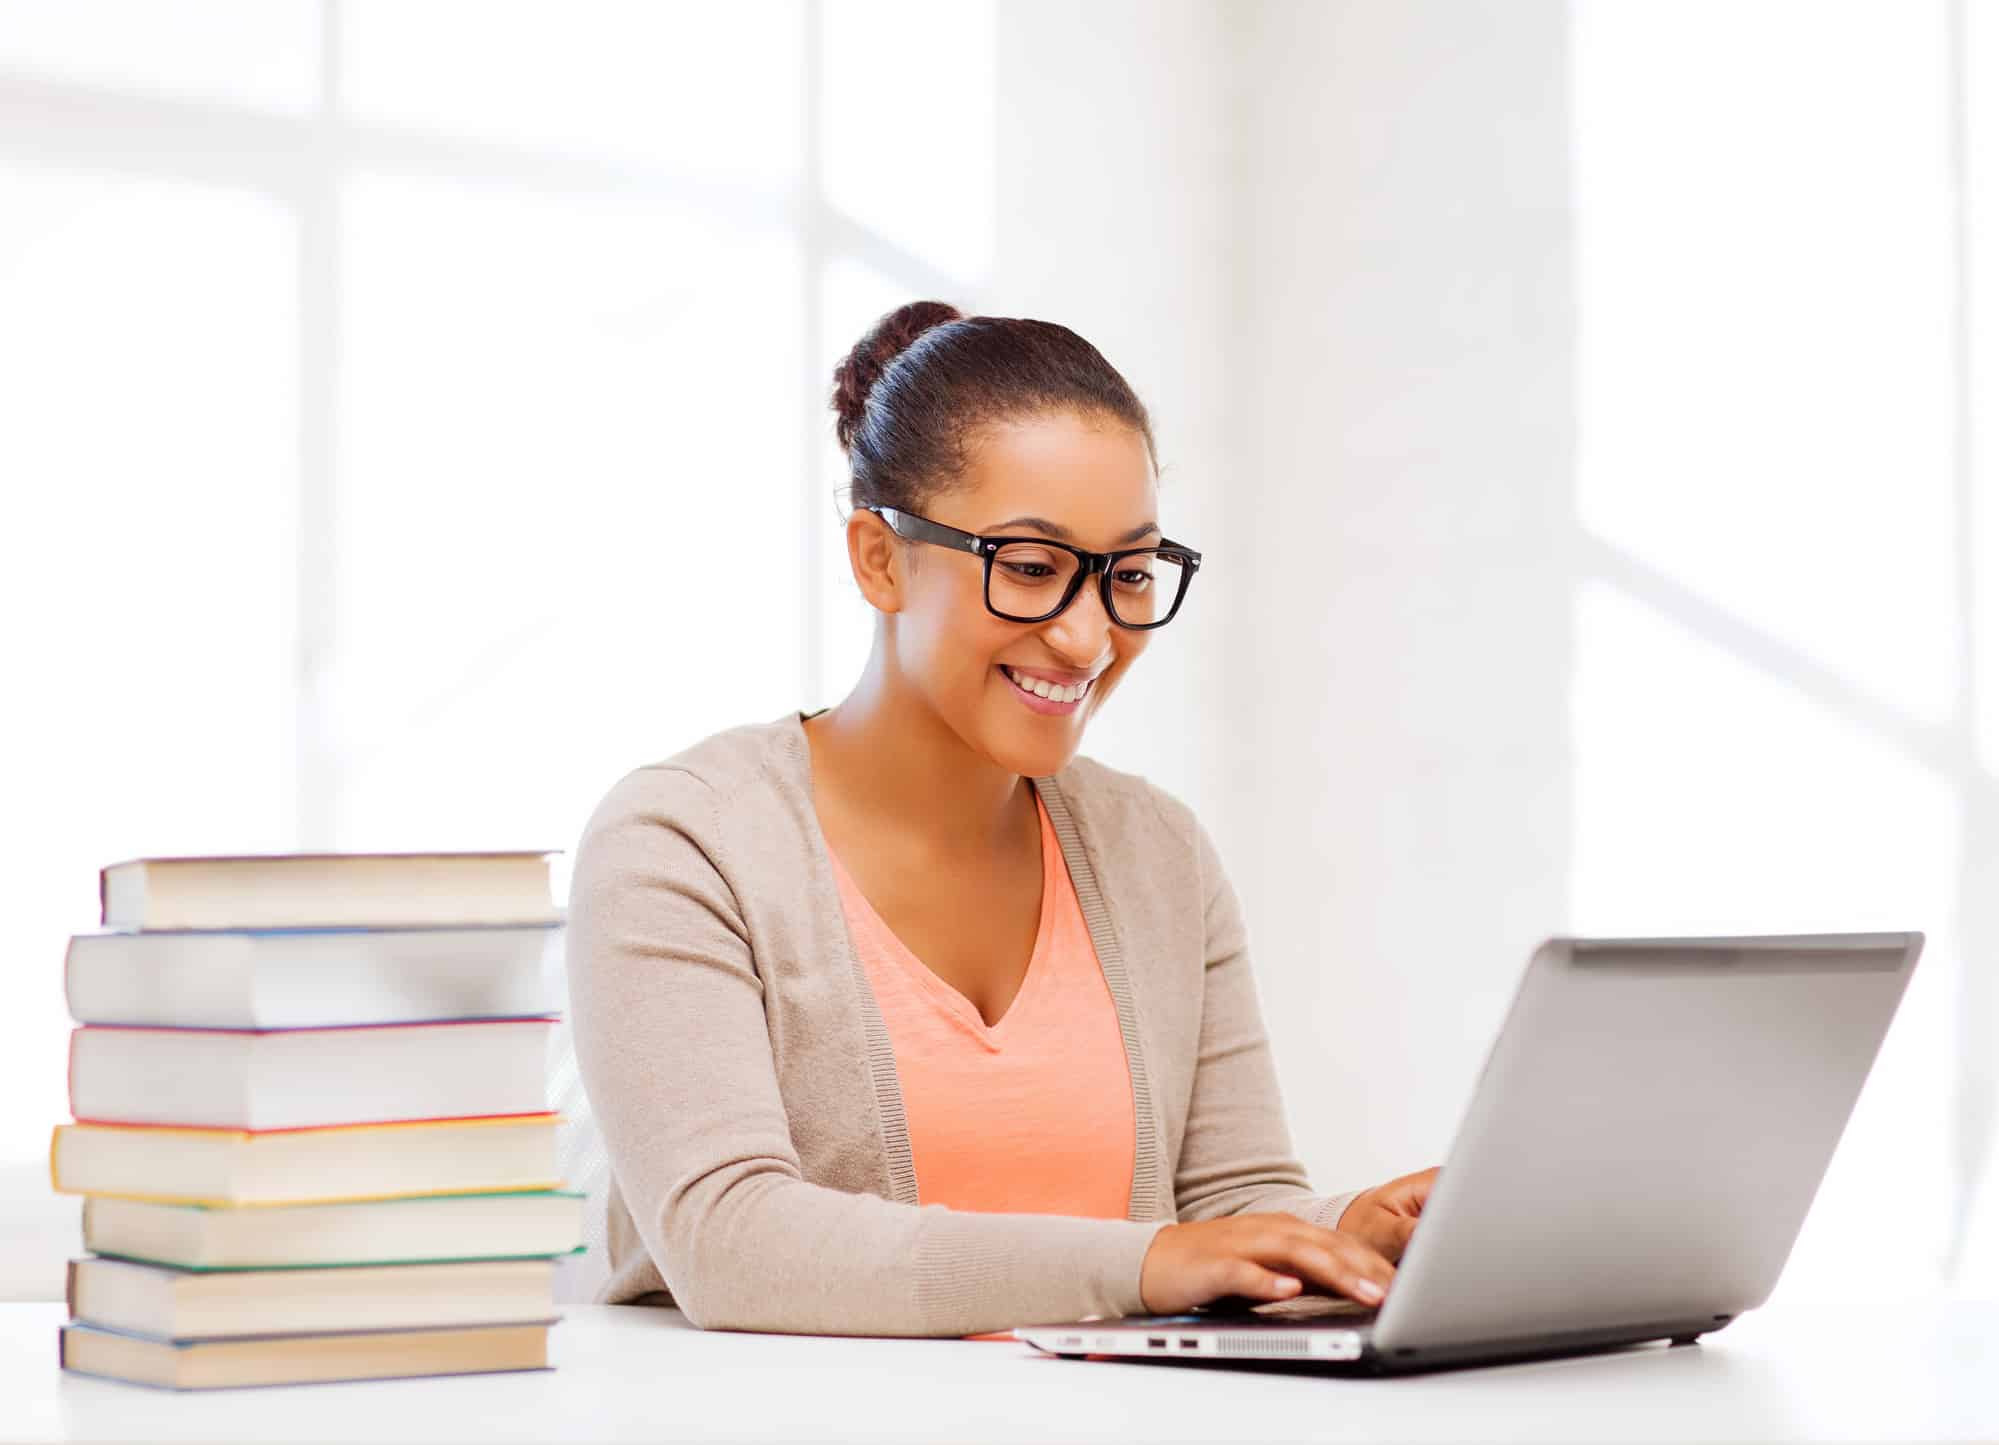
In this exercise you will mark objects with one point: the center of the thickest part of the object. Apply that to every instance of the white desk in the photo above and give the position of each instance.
(638, 1374)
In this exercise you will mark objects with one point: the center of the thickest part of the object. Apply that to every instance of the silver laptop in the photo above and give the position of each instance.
(1648, 1131)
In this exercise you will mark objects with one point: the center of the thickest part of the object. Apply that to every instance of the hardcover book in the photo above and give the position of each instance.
(383, 1231)
(302, 1078)
(311, 978)
(301, 1359)
(147, 1299)
(287, 890)
(225, 1168)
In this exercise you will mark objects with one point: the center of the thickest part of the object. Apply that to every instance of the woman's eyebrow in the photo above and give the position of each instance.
(1056, 529)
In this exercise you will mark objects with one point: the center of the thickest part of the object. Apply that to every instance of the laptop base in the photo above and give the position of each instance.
(1323, 1349)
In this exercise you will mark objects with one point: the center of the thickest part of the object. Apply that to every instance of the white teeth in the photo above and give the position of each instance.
(1041, 687)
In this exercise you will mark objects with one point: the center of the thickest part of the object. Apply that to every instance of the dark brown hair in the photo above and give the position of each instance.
(913, 392)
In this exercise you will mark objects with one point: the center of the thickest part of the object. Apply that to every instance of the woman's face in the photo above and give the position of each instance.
(1086, 480)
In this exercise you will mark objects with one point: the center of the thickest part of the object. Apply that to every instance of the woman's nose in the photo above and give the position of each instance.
(1081, 628)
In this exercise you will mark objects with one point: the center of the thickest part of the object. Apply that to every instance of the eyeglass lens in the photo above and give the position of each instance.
(1028, 581)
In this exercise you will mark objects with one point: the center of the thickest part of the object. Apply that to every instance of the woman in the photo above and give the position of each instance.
(900, 1018)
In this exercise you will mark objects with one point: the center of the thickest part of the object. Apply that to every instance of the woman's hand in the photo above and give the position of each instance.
(1385, 1216)
(1260, 1257)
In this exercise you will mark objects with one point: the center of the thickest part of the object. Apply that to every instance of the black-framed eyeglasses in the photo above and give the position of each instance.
(1031, 579)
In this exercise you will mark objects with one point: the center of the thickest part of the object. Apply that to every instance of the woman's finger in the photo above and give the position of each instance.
(1343, 1264)
(1253, 1280)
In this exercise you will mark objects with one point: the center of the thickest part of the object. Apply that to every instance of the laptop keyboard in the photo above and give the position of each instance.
(1238, 1310)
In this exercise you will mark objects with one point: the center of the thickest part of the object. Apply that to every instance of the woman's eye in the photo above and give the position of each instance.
(1134, 581)
(1029, 571)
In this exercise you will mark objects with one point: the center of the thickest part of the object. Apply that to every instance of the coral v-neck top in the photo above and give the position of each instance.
(1033, 1114)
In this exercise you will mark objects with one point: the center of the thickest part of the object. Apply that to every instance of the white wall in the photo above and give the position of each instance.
(1777, 692)
(1403, 379)
(1113, 213)
(1613, 537)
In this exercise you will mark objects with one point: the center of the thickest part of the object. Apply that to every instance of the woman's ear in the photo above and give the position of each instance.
(872, 553)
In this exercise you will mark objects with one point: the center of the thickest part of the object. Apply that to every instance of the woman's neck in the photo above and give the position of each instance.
(883, 753)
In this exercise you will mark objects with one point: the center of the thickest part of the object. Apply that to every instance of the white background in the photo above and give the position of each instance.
(411, 417)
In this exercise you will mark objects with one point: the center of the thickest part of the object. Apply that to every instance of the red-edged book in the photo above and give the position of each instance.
(264, 1079)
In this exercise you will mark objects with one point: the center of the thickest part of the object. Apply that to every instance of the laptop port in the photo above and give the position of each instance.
(1190, 1342)
(1155, 1342)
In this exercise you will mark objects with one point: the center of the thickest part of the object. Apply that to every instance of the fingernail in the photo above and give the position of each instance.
(1286, 1285)
(1368, 1290)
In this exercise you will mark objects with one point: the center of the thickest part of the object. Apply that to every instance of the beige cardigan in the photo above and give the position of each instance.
(739, 1068)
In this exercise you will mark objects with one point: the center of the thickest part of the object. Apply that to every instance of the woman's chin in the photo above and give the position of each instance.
(1030, 736)
(1034, 757)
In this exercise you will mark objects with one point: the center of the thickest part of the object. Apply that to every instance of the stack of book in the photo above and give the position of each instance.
(311, 1128)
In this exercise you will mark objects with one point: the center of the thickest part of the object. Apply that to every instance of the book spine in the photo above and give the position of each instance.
(69, 1287)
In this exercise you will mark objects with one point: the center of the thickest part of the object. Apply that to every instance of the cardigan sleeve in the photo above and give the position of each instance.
(674, 1050)
(1236, 1154)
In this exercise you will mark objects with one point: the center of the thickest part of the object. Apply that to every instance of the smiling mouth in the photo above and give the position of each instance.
(1046, 691)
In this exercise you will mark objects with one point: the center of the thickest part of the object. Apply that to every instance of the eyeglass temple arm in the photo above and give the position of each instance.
(908, 524)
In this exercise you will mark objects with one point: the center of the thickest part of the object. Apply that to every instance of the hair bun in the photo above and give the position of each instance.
(855, 375)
